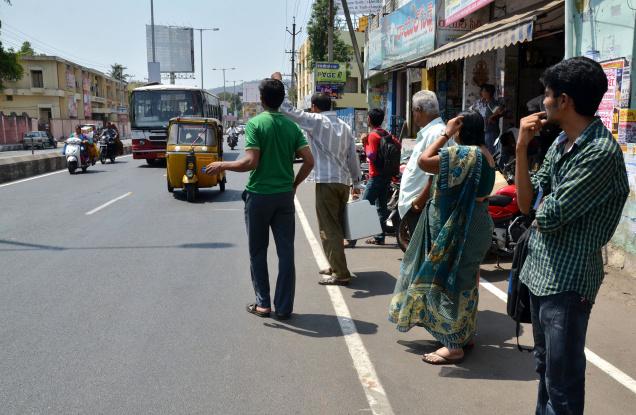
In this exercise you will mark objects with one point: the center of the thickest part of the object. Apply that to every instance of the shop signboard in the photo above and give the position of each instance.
(627, 126)
(447, 33)
(330, 73)
(408, 33)
(375, 54)
(362, 7)
(455, 10)
(609, 109)
(333, 90)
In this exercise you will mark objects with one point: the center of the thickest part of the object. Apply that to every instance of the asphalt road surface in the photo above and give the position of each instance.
(138, 308)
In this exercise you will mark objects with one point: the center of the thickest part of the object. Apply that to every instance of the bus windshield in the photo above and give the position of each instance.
(155, 108)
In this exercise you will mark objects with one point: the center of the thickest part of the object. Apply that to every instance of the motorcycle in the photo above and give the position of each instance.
(107, 146)
(76, 155)
(232, 140)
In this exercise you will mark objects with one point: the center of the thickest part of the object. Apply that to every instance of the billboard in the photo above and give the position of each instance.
(330, 73)
(174, 48)
(408, 33)
(251, 92)
(362, 7)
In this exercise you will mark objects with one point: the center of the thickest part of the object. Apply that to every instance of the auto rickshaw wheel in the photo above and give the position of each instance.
(170, 188)
(190, 192)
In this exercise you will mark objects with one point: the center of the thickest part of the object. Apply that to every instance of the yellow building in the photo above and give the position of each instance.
(354, 95)
(54, 88)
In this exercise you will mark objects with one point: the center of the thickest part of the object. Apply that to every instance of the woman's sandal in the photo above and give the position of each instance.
(251, 308)
(441, 360)
(373, 241)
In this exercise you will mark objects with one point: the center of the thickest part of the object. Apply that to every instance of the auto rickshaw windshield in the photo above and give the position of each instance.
(192, 134)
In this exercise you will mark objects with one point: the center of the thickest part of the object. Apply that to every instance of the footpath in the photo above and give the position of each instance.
(20, 164)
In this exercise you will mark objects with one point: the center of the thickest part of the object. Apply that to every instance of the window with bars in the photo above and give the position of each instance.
(37, 80)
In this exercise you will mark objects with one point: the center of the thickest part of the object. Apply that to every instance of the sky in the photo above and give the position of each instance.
(252, 36)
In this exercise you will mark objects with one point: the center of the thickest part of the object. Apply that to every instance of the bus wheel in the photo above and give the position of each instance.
(151, 162)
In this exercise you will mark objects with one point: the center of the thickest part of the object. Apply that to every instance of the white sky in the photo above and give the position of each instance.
(98, 33)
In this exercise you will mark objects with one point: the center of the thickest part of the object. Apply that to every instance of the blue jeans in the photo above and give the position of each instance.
(377, 193)
(559, 326)
(275, 211)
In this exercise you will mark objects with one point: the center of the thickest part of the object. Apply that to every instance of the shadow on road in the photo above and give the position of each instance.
(495, 356)
(211, 195)
(369, 284)
(319, 325)
(24, 246)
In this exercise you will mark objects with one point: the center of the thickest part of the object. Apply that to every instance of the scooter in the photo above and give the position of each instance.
(76, 155)
(107, 146)
(232, 140)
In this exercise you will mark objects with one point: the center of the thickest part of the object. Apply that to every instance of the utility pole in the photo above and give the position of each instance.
(201, 30)
(330, 33)
(354, 41)
(152, 28)
(293, 52)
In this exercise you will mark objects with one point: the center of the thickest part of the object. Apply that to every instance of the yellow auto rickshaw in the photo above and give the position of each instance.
(193, 143)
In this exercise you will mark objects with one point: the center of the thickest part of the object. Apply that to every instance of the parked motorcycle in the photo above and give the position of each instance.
(232, 140)
(107, 146)
(76, 155)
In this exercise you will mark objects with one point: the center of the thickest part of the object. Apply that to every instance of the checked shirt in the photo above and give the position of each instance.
(585, 189)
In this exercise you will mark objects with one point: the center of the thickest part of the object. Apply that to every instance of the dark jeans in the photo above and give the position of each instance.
(275, 211)
(559, 326)
(377, 193)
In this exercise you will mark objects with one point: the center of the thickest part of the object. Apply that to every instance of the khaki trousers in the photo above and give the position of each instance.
(331, 199)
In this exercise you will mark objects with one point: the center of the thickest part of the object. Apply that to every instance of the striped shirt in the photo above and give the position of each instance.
(332, 144)
(586, 188)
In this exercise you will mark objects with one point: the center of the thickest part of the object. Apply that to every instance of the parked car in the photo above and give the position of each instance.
(38, 139)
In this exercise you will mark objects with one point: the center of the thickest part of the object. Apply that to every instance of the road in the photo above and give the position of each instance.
(138, 308)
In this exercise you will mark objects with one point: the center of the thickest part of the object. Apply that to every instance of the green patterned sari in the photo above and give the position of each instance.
(437, 288)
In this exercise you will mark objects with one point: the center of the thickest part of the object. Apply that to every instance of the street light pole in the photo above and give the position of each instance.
(201, 30)
(223, 70)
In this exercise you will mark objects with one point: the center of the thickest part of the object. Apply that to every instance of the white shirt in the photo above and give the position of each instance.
(332, 144)
(413, 178)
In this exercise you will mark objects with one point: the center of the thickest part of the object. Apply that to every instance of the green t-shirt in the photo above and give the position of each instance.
(277, 138)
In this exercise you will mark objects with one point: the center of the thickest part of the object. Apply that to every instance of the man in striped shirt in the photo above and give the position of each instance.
(584, 183)
(336, 169)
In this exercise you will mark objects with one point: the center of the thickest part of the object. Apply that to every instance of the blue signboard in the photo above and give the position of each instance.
(408, 33)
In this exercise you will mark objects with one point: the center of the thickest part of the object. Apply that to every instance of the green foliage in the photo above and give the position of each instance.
(117, 72)
(236, 104)
(10, 68)
(26, 49)
(317, 34)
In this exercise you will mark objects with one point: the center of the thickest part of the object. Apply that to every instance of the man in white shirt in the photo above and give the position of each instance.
(416, 184)
(336, 169)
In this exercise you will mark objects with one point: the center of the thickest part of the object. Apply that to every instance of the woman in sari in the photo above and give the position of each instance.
(438, 285)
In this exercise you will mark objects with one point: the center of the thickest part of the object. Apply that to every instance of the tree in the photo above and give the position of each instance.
(26, 49)
(117, 72)
(233, 99)
(10, 68)
(317, 34)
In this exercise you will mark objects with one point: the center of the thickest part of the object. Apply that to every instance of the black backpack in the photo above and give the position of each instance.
(518, 304)
(387, 161)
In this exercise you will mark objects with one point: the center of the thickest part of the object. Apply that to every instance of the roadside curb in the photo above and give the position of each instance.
(21, 167)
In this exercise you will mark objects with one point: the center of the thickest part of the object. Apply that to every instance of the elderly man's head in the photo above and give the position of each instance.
(425, 108)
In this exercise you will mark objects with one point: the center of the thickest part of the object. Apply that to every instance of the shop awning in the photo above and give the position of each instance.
(494, 35)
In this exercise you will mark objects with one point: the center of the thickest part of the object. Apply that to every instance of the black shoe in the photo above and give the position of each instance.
(286, 316)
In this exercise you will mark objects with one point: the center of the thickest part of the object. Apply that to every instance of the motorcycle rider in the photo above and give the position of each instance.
(232, 130)
(118, 143)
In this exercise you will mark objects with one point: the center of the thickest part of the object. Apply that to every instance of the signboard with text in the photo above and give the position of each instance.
(330, 73)
(609, 109)
(455, 10)
(362, 7)
(408, 33)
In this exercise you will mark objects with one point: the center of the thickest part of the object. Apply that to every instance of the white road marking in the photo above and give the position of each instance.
(376, 396)
(611, 370)
(45, 175)
(110, 202)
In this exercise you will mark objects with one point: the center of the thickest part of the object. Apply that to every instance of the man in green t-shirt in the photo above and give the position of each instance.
(272, 142)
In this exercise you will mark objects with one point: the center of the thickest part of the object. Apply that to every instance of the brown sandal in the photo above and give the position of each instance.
(251, 308)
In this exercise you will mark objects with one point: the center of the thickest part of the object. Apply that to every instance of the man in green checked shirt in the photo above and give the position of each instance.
(580, 190)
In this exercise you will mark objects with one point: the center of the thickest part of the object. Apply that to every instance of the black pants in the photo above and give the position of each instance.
(275, 211)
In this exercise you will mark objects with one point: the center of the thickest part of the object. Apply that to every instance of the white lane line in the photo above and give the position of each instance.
(605, 366)
(45, 175)
(110, 202)
(378, 401)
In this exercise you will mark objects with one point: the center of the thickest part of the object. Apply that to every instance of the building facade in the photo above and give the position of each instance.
(53, 89)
